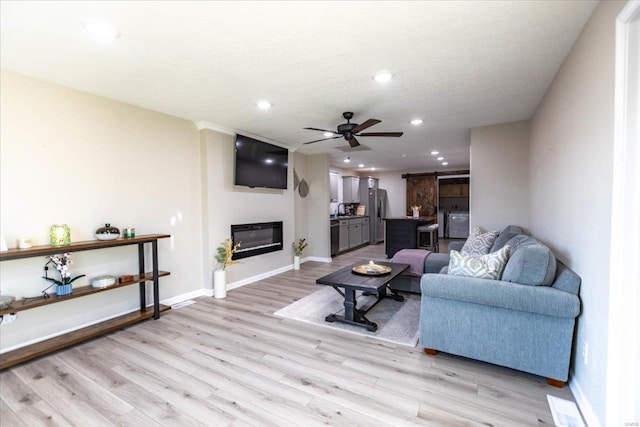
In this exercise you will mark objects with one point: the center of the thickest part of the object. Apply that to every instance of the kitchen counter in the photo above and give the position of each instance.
(430, 219)
(402, 233)
(349, 217)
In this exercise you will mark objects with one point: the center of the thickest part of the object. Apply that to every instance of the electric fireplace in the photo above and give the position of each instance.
(256, 239)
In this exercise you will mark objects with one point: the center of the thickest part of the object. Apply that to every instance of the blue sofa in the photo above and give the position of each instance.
(524, 321)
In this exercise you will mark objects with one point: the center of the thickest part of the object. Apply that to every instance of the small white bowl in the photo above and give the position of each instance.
(107, 236)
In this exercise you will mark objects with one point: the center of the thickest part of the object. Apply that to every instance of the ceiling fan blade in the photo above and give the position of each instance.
(321, 130)
(323, 139)
(353, 142)
(396, 134)
(363, 126)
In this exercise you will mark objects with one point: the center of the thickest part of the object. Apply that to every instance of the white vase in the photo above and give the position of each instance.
(219, 283)
(296, 262)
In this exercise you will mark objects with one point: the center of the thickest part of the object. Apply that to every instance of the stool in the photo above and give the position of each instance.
(428, 237)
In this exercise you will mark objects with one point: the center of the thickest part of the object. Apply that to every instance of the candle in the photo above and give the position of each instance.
(60, 235)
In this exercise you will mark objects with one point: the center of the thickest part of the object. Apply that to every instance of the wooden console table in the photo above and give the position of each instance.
(38, 349)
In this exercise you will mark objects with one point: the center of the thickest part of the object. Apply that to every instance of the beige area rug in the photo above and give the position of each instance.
(397, 321)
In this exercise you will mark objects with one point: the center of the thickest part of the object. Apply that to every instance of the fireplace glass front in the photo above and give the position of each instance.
(256, 239)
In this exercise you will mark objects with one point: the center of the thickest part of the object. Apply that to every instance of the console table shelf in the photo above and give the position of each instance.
(38, 349)
(42, 348)
(26, 304)
(46, 250)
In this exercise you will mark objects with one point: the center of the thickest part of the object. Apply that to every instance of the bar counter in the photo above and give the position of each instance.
(402, 232)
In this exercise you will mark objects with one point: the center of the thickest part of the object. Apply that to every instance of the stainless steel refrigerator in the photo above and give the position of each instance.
(377, 211)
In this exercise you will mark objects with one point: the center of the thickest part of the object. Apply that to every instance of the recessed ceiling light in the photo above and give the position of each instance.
(361, 165)
(100, 30)
(435, 153)
(383, 77)
(347, 160)
(328, 134)
(416, 122)
(440, 158)
(269, 161)
(445, 163)
(403, 155)
(263, 105)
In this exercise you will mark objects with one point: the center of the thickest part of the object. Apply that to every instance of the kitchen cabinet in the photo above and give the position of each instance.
(350, 189)
(40, 348)
(333, 187)
(355, 233)
(454, 190)
(343, 235)
(365, 230)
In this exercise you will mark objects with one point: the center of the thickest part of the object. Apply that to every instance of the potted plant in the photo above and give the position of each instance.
(297, 252)
(62, 263)
(224, 257)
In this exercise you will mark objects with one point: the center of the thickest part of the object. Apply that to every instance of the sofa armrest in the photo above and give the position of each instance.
(456, 246)
(532, 299)
(434, 262)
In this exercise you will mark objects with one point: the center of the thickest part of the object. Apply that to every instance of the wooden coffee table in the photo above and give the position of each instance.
(371, 285)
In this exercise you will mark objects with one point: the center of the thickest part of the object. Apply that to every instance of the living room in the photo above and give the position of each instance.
(86, 158)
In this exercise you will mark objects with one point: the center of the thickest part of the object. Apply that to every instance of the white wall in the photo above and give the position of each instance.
(571, 182)
(70, 157)
(499, 190)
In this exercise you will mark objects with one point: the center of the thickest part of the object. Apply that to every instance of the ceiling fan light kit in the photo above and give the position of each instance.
(349, 131)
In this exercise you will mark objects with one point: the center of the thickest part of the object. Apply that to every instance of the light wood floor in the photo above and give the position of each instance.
(231, 362)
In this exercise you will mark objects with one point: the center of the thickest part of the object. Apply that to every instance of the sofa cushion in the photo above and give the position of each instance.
(489, 266)
(505, 235)
(479, 241)
(530, 263)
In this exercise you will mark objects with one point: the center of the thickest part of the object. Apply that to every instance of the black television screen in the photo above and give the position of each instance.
(259, 164)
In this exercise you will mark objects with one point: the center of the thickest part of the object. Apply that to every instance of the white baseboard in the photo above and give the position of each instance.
(257, 277)
(316, 259)
(184, 297)
(586, 409)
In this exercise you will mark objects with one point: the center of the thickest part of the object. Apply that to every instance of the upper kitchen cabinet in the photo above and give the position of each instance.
(333, 187)
(457, 188)
(350, 189)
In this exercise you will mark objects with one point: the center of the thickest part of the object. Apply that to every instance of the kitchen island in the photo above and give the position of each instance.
(402, 232)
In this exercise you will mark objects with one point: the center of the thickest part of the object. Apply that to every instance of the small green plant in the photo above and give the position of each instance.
(299, 247)
(224, 253)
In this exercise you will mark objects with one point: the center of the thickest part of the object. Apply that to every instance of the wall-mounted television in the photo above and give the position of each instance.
(260, 164)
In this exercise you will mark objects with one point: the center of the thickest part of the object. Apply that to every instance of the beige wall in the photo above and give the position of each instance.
(318, 206)
(396, 187)
(70, 157)
(571, 182)
(499, 190)
(228, 204)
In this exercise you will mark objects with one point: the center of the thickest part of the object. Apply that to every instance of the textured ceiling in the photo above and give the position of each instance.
(456, 65)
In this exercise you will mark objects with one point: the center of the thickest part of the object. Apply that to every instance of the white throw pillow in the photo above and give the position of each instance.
(479, 241)
(489, 266)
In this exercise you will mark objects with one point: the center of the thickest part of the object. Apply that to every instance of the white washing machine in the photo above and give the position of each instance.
(458, 225)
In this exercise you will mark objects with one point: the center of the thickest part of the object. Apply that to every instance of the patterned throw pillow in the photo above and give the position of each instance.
(479, 241)
(489, 266)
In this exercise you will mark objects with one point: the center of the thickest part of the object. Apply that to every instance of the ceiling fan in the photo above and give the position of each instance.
(349, 131)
